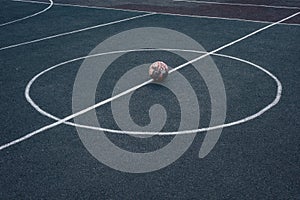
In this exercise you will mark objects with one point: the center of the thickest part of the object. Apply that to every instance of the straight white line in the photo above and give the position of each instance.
(238, 4)
(29, 16)
(73, 116)
(225, 18)
(167, 14)
(232, 43)
(75, 31)
(139, 86)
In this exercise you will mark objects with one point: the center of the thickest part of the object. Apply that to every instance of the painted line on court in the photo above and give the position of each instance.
(234, 42)
(161, 13)
(29, 16)
(239, 4)
(75, 31)
(27, 136)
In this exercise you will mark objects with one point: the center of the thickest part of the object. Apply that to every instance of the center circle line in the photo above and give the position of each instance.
(248, 118)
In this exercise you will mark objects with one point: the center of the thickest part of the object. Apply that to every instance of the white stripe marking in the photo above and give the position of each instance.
(75, 31)
(239, 4)
(29, 16)
(232, 43)
(167, 14)
(145, 83)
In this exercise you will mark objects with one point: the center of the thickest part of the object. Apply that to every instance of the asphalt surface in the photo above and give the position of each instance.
(255, 160)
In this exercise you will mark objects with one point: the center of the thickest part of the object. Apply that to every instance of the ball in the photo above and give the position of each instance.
(158, 71)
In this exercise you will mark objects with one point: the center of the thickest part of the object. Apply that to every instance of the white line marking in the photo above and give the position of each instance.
(147, 82)
(75, 31)
(238, 4)
(225, 18)
(232, 43)
(43, 112)
(29, 16)
(167, 14)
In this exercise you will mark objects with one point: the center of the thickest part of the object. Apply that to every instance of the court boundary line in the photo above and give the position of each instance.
(75, 31)
(239, 4)
(29, 16)
(44, 128)
(161, 13)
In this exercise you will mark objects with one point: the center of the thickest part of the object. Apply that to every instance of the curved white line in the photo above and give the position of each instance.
(269, 106)
(147, 82)
(29, 16)
(75, 31)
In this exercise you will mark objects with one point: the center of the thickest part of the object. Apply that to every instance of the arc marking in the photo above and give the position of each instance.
(29, 16)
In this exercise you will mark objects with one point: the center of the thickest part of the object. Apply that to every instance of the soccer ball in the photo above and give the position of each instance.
(158, 71)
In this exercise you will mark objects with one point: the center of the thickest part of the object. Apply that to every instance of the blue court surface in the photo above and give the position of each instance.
(82, 119)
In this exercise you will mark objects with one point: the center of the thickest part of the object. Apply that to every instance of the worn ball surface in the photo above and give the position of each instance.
(158, 71)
